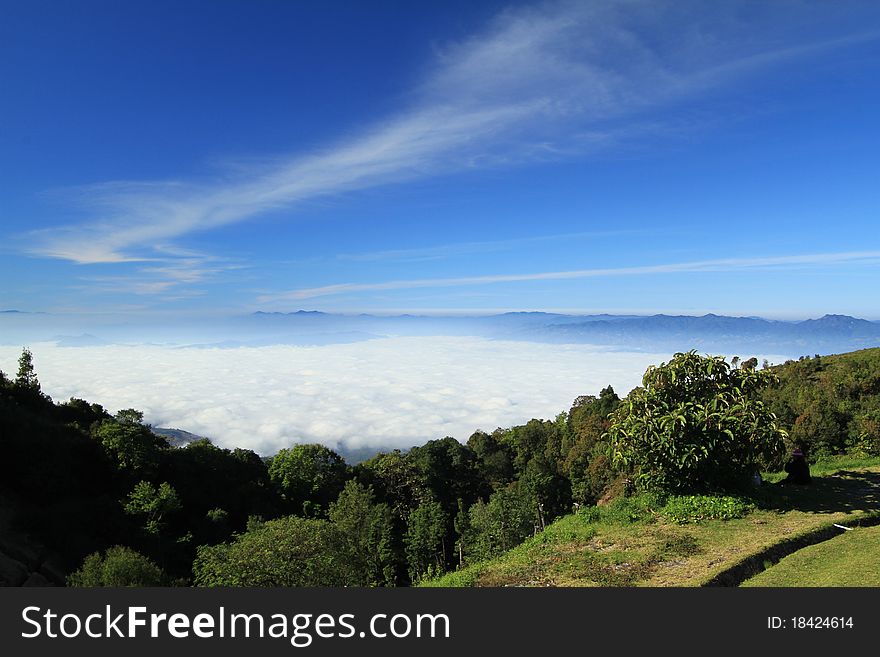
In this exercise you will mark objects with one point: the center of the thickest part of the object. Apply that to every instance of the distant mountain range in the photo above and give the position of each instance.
(829, 334)
(715, 333)
(710, 333)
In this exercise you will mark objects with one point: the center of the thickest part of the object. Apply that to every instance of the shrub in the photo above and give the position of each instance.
(683, 509)
(119, 566)
(290, 551)
(626, 510)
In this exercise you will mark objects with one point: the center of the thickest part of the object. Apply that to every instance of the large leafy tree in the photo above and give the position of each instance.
(396, 480)
(131, 443)
(505, 521)
(309, 477)
(494, 459)
(208, 478)
(696, 424)
(290, 551)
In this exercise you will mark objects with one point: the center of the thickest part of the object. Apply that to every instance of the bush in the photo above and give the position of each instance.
(290, 551)
(696, 425)
(119, 566)
(626, 510)
(696, 508)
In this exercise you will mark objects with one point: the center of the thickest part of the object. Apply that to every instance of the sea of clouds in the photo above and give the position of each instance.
(388, 392)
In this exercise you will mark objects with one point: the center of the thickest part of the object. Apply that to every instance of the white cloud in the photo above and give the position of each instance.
(537, 83)
(400, 391)
(864, 258)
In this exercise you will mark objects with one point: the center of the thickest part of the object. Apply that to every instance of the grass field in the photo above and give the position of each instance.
(852, 559)
(631, 544)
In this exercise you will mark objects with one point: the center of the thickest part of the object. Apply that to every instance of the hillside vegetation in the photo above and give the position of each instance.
(651, 541)
(93, 494)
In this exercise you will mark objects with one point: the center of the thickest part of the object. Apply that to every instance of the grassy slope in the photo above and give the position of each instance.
(848, 560)
(614, 552)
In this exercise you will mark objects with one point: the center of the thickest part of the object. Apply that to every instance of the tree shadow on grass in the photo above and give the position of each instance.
(843, 492)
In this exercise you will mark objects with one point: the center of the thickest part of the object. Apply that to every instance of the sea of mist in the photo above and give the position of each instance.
(388, 392)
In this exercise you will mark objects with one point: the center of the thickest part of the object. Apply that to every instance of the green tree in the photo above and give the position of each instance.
(118, 566)
(696, 424)
(539, 460)
(27, 376)
(821, 428)
(309, 477)
(506, 521)
(462, 526)
(449, 470)
(494, 459)
(152, 504)
(425, 533)
(586, 460)
(368, 530)
(290, 551)
(207, 477)
(396, 480)
(867, 433)
(131, 444)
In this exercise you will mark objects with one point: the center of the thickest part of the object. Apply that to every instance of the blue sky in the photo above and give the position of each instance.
(173, 158)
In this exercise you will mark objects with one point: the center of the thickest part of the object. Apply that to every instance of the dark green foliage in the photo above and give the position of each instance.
(510, 516)
(216, 527)
(26, 378)
(119, 566)
(309, 477)
(368, 531)
(539, 448)
(587, 464)
(396, 480)
(494, 459)
(696, 425)
(425, 533)
(450, 471)
(290, 551)
(830, 404)
(207, 477)
(80, 413)
(58, 483)
(451, 474)
(134, 447)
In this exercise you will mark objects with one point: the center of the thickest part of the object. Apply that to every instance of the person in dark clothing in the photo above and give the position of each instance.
(797, 468)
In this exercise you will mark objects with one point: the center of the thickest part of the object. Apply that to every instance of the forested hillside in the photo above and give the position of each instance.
(79, 480)
(831, 404)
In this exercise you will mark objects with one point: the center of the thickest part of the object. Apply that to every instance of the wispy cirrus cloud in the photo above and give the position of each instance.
(866, 258)
(538, 83)
(470, 248)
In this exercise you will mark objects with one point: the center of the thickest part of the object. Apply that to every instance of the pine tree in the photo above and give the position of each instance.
(27, 377)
